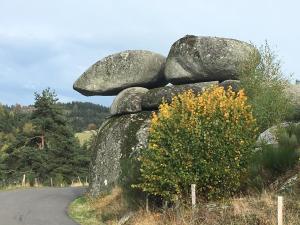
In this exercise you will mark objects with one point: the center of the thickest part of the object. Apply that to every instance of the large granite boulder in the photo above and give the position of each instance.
(128, 101)
(117, 145)
(154, 97)
(132, 68)
(198, 58)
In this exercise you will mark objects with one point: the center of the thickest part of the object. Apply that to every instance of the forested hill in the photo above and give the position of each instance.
(84, 115)
(81, 115)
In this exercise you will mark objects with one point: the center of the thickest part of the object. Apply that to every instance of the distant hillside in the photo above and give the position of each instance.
(81, 115)
(85, 115)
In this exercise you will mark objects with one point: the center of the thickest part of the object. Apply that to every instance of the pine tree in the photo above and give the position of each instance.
(55, 137)
(46, 147)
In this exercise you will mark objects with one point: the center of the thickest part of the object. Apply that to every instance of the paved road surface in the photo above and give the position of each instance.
(43, 206)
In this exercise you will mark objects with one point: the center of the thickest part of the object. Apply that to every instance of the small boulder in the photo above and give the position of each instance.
(154, 97)
(114, 73)
(198, 58)
(269, 136)
(128, 101)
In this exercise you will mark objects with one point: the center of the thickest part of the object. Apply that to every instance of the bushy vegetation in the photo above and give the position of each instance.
(272, 161)
(40, 144)
(266, 87)
(204, 139)
(255, 210)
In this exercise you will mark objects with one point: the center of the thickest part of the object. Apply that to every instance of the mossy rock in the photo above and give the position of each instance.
(116, 149)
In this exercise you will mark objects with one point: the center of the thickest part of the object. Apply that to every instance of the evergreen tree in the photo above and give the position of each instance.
(56, 138)
(46, 147)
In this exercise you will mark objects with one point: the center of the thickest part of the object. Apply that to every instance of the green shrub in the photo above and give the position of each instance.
(265, 87)
(205, 140)
(58, 179)
(272, 161)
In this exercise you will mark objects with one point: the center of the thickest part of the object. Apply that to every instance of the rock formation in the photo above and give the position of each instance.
(119, 140)
(126, 69)
(198, 59)
(154, 97)
(191, 63)
(128, 101)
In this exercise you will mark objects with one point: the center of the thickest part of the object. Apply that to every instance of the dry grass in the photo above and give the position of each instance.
(260, 210)
(85, 136)
(107, 209)
(254, 210)
(18, 186)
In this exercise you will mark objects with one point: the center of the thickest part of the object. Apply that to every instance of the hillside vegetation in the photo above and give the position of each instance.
(39, 141)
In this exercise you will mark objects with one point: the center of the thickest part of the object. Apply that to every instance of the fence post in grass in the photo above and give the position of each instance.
(24, 180)
(193, 192)
(51, 182)
(147, 203)
(36, 182)
(165, 207)
(279, 211)
(80, 181)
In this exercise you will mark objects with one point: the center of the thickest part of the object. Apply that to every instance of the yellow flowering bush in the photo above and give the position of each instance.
(204, 139)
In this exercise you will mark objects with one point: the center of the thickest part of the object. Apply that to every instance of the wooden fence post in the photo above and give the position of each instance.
(24, 180)
(51, 182)
(147, 203)
(80, 181)
(279, 211)
(193, 192)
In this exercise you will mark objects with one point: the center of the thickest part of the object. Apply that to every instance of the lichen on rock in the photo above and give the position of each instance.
(117, 145)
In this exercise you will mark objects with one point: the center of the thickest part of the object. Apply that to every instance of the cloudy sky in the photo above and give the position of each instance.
(50, 43)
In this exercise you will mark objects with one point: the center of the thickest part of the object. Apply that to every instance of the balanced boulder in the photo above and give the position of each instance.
(198, 58)
(154, 97)
(132, 68)
(128, 101)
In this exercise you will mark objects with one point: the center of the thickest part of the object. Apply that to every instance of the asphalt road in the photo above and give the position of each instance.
(38, 206)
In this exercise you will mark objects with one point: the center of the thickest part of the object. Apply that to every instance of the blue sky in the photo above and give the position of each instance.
(50, 43)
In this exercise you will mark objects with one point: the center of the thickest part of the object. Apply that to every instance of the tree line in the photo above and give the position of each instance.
(39, 140)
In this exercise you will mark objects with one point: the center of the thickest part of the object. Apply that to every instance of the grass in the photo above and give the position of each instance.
(259, 210)
(14, 187)
(82, 212)
(103, 210)
(249, 210)
(27, 186)
(85, 136)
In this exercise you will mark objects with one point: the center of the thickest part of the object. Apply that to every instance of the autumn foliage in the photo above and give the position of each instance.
(204, 139)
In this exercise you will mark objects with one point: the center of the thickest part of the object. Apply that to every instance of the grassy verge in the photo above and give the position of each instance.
(14, 187)
(251, 210)
(260, 210)
(27, 186)
(82, 212)
(108, 209)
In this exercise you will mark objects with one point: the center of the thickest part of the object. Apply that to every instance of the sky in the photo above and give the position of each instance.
(50, 43)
